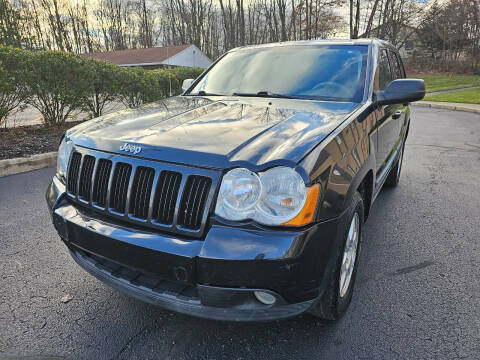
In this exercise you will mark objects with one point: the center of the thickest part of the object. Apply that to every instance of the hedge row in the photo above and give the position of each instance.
(58, 83)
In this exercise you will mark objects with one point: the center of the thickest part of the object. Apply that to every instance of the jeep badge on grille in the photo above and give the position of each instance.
(131, 148)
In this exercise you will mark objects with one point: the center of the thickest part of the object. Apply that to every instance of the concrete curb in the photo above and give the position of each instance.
(20, 165)
(459, 107)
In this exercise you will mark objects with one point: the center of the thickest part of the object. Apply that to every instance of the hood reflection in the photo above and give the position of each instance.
(254, 130)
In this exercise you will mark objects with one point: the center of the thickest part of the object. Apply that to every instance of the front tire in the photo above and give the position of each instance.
(338, 295)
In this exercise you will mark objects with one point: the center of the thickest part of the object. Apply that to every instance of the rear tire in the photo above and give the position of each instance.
(338, 295)
(394, 177)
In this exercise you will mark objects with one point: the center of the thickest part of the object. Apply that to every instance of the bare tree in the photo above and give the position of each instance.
(146, 23)
(213, 26)
(117, 24)
(10, 24)
(451, 30)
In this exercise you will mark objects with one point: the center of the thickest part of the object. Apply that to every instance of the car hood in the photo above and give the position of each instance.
(216, 132)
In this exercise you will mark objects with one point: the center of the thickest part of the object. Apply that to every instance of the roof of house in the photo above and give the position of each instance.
(154, 55)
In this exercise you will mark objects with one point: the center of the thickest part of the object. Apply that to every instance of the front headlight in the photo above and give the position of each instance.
(63, 157)
(275, 197)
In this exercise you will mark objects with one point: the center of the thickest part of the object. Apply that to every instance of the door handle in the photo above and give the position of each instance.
(397, 114)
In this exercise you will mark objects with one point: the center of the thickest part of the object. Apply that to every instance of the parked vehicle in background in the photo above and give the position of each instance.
(245, 197)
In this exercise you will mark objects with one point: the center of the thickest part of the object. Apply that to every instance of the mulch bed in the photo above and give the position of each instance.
(30, 140)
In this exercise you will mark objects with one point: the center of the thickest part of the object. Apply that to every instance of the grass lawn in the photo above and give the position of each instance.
(467, 97)
(447, 82)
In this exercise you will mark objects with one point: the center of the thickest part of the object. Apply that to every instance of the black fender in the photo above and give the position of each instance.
(367, 170)
(341, 164)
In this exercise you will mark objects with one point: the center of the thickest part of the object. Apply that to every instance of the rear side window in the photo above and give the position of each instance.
(384, 72)
(397, 68)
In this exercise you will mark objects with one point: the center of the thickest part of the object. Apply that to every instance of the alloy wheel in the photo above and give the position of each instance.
(349, 255)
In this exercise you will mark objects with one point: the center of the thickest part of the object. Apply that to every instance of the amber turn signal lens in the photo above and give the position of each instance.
(308, 211)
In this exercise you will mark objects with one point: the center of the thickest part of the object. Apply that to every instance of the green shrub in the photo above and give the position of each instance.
(103, 86)
(182, 73)
(13, 87)
(131, 89)
(4, 88)
(59, 83)
(165, 81)
(138, 86)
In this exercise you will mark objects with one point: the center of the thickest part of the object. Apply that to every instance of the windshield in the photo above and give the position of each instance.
(323, 72)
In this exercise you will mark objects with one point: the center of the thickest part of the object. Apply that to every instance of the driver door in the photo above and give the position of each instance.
(389, 117)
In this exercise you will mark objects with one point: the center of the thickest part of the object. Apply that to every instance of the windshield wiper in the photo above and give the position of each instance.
(203, 93)
(267, 94)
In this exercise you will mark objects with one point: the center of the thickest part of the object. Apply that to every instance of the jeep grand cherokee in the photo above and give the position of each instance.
(245, 197)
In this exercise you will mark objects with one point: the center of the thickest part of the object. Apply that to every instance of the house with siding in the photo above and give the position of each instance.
(157, 57)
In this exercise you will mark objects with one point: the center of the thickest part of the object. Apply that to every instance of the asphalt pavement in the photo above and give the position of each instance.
(417, 294)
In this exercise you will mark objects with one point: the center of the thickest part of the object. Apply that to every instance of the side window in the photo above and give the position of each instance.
(397, 68)
(384, 72)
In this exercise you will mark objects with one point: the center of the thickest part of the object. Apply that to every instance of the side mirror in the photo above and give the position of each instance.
(186, 84)
(402, 91)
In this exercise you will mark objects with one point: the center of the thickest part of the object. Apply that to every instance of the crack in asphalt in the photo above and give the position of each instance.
(131, 339)
(412, 268)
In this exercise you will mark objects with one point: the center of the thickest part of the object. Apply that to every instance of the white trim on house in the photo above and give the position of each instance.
(182, 58)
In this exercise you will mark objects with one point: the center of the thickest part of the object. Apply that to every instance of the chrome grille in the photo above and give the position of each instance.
(86, 177)
(141, 191)
(166, 196)
(73, 172)
(169, 197)
(100, 184)
(118, 195)
(193, 201)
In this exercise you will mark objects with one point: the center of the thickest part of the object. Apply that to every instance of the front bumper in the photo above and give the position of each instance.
(214, 277)
(203, 301)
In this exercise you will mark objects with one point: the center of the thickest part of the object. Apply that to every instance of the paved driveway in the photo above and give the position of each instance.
(31, 116)
(417, 295)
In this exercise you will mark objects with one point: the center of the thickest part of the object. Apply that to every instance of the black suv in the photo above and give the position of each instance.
(245, 197)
